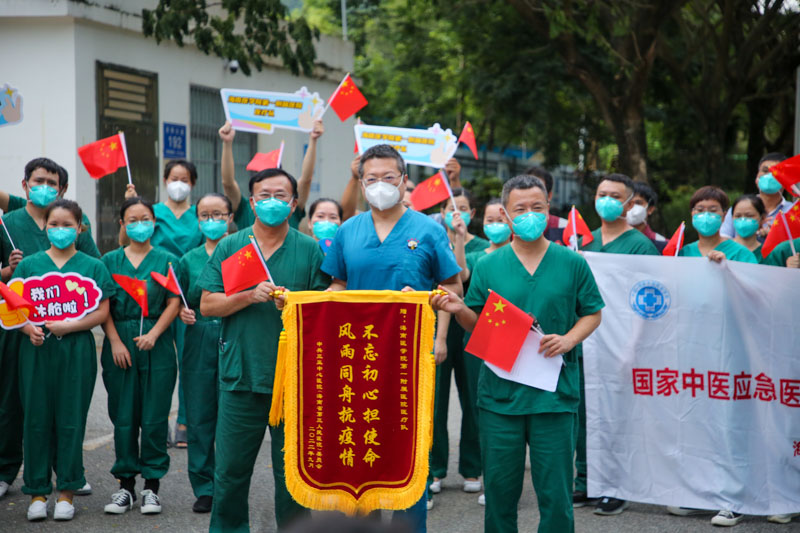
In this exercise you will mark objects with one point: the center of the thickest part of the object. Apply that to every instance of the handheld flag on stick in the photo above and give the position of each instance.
(10, 240)
(675, 242)
(170, 282)
(137, 289)
(346, 100)
(261, 258)
(787, 172)
(13, 300)
(430, 192)
(243, 270)
(105, 156)
(264, 161)
(468, 137)
(576, 227)
(785, 227)
(500, 332)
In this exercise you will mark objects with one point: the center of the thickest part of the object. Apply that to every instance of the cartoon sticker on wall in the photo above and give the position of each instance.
(10, 106)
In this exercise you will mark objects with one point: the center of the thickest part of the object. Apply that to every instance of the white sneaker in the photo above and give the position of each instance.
(84, 491)
(150, 502)
(727, 518)
(121, 501)
(782, 518)
(436, 486)
(37, 510)
(3, 488)
(64, 510)
(430, 504)
(472, 486)
(482, 499)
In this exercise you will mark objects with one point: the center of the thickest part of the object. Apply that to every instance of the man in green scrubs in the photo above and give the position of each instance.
(555, 285)
(613, 200)
(251, 325)
(44, 181)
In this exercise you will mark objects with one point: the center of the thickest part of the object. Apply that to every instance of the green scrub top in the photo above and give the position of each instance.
(733, 251)
(123, 307)
(249, 338)
(473, 257)
(244, 216)
(632, 242)
(781, 253)
(476, 245)
(16, 202)
(30, 238)
(191, 266)
(87, 266)
(176, 235)
(561, 291)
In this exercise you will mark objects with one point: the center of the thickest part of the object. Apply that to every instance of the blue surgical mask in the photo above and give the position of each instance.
(62, 237)
(43, 195)
(448, 218)
(325, 229)
(529, 226)
(768, 184)
(214, 229)
(745, 227)
(272, 212)
(608, 208)
(140, 231)
(707, 224)
(498, 232)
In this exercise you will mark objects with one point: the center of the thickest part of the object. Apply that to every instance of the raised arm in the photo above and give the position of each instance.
(309, 160)
(229, 185)
(351, 191)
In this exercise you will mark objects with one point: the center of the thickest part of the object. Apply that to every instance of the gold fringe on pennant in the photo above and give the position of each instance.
(286, 379)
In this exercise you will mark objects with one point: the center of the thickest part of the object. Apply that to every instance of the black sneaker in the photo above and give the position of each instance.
(121, 501)
(202, 505)
(610, 506)
(580, 499)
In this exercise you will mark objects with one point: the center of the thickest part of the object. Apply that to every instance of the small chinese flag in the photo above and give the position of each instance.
(430, 192)
(242, 270)
(576, 227)
(136, 288)
(104, 156)
(347, 100)
(500, 332)
(785, 227)
(264, 161)
(13, 300)
(675, 242)
(468, 137)
(787, 172)
(168, 282)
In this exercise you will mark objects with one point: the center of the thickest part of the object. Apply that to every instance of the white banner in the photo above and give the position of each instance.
(693, 384)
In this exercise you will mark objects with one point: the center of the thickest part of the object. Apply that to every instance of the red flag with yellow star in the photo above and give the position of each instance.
(500, 332)
(136, 288)
(787, 172)
(104, 156)
(430, 192)
(242, 270)
(785, 228)
(468, 137)
(347, 100)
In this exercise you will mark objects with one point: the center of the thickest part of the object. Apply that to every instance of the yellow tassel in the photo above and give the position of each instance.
(276, 409)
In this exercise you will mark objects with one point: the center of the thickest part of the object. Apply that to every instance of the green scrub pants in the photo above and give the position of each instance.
(580, 436)
(241, 423)
(179, 331)
(466, 368)
(503, 440)
(10, 406)
(56, 386)
(200, 360)
(139, 399)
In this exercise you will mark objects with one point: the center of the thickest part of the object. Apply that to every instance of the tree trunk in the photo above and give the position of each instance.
(757, 114)
(631, 138)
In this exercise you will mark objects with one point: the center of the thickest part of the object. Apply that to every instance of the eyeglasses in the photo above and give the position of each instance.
(371, 180)
(282, 196)
(216, 215)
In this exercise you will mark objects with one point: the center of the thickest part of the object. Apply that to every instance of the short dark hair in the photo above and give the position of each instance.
(313, 207)
(710, 192)
(69, 205)
(272, 173)
(494, 201)
(381, 151)
(754, 199)
(642, 189)
(772, 156)
(543, 175)
(459, 191)
(135, 200)
(188, 165)
(618, 178)
(50, 166)
(523, 181)
(227, 200)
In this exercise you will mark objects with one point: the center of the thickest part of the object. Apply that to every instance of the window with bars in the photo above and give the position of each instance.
(205, 118)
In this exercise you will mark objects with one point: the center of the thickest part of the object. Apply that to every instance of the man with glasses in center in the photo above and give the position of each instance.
(391, 247)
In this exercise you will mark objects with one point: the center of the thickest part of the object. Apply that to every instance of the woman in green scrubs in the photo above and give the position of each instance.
(57, 370)
(139, 370)
(749, 214)
(708, 205)
(201, 351)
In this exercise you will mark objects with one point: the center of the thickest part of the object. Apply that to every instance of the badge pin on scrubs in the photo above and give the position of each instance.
(412, 244)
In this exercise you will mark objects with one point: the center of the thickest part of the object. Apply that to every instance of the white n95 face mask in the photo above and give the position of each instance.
(178, 191)
(382, 196)
(636, 215)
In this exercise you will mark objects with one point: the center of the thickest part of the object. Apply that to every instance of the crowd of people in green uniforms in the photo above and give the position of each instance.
(221, 350)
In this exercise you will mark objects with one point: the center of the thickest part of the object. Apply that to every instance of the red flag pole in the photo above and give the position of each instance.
(127, 163)
(141, 322)
(449, 190)
(328, 103)
(280, 156)
(680, 238)
(5, 228)
(261, 258)
(573, 241)
(172, 272)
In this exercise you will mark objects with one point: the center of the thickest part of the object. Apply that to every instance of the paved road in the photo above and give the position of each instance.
(455, 511)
